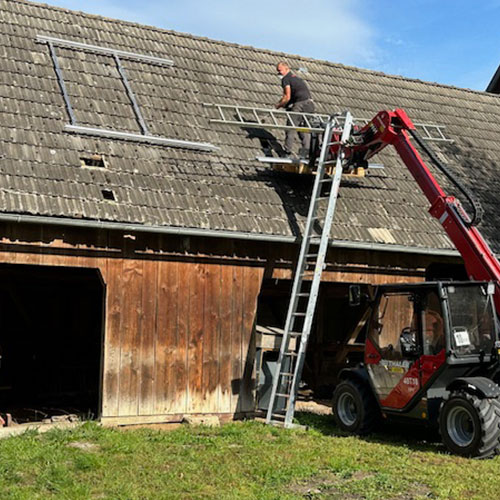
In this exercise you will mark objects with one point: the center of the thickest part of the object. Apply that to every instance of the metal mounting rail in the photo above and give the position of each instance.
(71, 44)
(145, 136)
(149, 139)
(306, 282)
(248, 116)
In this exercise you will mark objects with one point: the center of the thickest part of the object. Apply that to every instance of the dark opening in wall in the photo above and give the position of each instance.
(51, 331)
(333, 343)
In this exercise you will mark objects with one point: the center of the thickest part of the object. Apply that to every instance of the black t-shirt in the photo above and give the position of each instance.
(299, 90)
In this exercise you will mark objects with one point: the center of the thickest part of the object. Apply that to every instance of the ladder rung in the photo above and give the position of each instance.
(298, 314)
(306, 294)
(311, 255)
(295, 334)
(293, 354)
(277, 416)
(282, 395)
(285, 374)
(328, 179)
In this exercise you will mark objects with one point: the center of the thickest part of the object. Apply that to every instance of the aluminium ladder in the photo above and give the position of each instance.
(253, 117)
(305, 292)
(247, 116)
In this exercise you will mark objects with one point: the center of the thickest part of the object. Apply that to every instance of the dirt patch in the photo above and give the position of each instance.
(323, 486)
(417, 490)
(329, 485)
(317, 407)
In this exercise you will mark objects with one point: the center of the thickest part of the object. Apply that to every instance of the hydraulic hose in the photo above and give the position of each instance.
(474, 202)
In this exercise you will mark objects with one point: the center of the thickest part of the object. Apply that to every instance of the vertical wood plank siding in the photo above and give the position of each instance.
(179, 323)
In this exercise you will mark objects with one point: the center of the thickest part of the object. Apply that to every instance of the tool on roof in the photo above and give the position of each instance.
(308, 275)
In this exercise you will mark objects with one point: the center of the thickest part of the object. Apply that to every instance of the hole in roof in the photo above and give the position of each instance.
(303, 69)
(95, 160)
(107, 194)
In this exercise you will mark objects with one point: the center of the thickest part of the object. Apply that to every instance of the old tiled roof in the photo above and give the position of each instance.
(156, 185)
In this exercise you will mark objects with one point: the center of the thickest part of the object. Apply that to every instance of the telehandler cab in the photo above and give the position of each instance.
(431, 356)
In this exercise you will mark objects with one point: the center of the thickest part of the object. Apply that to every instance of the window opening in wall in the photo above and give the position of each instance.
(118, 56)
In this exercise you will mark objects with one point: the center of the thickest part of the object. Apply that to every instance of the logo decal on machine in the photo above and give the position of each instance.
(411, 381)
(395, 366)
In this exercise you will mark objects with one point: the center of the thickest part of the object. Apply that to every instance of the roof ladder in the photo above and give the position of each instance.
(306, 283)
(248, 116)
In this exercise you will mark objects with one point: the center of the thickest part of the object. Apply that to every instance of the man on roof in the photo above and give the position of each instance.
(296, 97)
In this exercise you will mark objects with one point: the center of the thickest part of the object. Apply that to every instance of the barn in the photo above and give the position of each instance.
(146, 257)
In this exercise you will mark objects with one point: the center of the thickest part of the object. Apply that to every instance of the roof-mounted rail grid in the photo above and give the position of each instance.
(104, 50)
(117, 55)
(248, 116)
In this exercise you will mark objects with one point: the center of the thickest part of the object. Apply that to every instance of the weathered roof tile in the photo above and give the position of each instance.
(41, 173)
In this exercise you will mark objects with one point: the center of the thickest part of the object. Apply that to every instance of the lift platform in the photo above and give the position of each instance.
(302, 166)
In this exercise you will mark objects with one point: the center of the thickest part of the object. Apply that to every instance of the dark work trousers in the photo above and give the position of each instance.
(305, 139)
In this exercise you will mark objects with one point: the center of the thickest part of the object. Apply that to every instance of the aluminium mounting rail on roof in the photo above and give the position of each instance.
(253, 117)
(71, 44)
(145, 136)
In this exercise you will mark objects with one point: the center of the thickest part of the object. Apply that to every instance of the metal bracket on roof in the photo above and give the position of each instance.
(104, 50)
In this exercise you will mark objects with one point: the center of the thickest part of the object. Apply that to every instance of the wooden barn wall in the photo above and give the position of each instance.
(179, 311)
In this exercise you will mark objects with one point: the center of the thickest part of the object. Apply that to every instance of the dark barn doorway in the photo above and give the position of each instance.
(335, 342)
(51, 330)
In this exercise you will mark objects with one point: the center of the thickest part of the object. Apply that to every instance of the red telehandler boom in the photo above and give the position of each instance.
(432, 349)
(393, 128)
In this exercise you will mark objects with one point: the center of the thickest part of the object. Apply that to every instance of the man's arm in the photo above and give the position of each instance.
(287, 94)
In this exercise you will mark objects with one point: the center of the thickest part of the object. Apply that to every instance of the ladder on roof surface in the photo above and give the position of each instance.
(247, 116)
(307, 279)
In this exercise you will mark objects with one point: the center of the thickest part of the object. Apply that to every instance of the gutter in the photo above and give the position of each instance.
(212, 233)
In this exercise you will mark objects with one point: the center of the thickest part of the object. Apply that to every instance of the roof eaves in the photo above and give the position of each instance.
(213, 233)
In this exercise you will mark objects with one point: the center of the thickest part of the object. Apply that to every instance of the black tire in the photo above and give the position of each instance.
(469, 425)
(354, 407)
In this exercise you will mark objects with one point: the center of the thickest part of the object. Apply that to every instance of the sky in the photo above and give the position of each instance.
(453, 42)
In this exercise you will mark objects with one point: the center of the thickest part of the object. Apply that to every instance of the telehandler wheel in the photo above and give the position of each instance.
(354, 407)
(469, 425)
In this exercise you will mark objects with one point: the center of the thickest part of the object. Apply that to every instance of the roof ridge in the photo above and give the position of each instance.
(251, 47)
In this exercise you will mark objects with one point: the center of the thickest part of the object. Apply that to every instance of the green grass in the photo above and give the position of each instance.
(236, 461)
